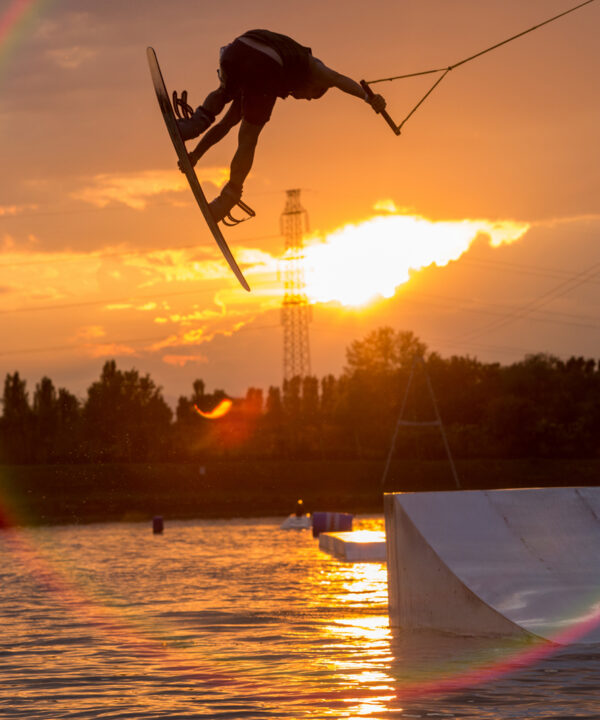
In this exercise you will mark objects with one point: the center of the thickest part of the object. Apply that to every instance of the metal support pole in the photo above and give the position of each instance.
(437, 422)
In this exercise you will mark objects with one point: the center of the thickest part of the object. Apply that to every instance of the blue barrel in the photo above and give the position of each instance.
(342, 522)
(319, 523)
(331, 522)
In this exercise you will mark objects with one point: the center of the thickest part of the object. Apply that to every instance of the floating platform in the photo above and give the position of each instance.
(296, 522)
(496, 562)
(355, 546)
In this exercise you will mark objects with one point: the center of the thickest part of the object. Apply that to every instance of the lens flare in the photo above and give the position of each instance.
(217, 412)
(15, 21)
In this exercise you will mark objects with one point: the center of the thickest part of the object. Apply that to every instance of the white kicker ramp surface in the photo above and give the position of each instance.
(496, 562)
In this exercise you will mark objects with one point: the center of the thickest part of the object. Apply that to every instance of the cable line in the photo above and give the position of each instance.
(446, 70)
(561, 289)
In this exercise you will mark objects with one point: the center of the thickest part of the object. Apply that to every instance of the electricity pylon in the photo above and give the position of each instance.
(295, 309)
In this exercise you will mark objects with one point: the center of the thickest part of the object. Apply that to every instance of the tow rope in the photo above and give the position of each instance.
(445, 70)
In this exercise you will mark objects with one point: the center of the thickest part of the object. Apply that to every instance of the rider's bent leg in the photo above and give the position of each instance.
(222, 205)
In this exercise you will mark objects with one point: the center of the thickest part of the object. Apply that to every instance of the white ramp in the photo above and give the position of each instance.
(496, 562)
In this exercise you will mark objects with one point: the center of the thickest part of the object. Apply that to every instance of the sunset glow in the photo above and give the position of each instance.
(361, 262)
(99, 229)
(158, 422)
(136, 189)
(183, 297)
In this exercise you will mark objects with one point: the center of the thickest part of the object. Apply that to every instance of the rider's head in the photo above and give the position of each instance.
(316, 83)
(310, 90)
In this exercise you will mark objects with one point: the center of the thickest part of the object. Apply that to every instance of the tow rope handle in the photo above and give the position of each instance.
(384, 114)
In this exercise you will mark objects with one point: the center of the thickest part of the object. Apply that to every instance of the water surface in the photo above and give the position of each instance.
(239, 619)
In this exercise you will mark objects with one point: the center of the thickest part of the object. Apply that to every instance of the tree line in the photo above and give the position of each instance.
(541, 406)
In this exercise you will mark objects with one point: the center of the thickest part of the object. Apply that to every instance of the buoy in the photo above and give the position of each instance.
(157, 525)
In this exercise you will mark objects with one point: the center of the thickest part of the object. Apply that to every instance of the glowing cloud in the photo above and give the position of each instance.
(385, 206)
(127, 290)
(145, 307)
(70, 58)
(11, 210)
(360, 262)
(136, 189)
(109, 350)
(218, 412)
(91, 332)
(183, 360)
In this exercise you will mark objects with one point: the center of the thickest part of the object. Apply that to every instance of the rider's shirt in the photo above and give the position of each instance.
(260, 66)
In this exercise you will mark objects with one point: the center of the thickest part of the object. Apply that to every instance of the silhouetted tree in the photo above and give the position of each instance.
(17, 421)
(541, 406)
(45, 412)
(125, 417)
(272, 430)
(292, 407)
(69, 431)
(254, 401)
(332, 438)
(236, 433)
(376, 373)
(383, 351)
(329, 398)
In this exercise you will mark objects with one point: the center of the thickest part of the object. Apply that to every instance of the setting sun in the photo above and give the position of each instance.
(358, 263)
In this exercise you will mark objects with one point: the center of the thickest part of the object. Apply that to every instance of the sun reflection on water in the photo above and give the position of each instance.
(233, 613)
(356, 635)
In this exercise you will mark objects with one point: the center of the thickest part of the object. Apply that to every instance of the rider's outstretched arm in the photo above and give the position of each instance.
(231, 118)
(332, 78)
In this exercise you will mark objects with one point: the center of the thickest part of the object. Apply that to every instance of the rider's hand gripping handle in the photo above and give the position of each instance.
(383, 113)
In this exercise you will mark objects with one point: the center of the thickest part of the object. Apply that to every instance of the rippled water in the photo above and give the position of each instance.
(239, 619)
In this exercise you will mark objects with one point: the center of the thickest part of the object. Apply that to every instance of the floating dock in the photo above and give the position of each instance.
(355, 546)
(496, 562)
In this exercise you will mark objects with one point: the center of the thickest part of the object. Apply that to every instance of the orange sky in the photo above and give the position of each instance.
(104, 254)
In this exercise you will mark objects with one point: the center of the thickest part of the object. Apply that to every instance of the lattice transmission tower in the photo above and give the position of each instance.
(295, 310)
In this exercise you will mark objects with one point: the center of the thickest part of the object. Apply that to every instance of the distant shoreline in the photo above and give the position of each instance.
(33, 495)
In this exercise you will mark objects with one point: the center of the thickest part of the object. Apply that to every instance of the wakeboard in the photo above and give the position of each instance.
(186, 166)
